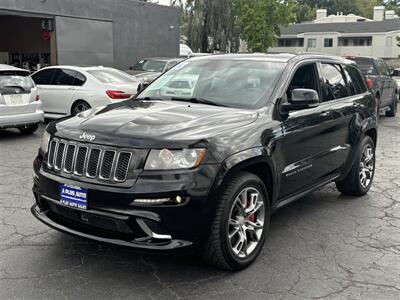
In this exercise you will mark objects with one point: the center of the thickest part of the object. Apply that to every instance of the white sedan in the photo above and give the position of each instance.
(20, 105)
(69, 90)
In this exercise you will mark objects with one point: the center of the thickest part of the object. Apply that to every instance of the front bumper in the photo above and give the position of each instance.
(97, 234)
(112, 216)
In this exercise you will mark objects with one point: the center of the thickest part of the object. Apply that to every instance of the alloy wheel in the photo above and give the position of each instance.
(80, 107)
(246, 222)
(366, 166)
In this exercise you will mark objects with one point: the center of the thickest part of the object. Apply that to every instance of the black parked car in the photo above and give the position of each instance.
(383, 86)
(205, 171)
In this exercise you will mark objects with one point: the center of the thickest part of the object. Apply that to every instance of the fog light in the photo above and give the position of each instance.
(178, 199)
(152, 201)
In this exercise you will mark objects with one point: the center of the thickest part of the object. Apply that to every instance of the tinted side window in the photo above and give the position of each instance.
(80, 79)
(304, 78)
(333, 85)
(63, 77)
(350, 83)
(43, 77)
(382, 68)
(357, 79)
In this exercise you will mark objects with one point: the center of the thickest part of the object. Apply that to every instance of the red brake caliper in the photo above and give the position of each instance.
(252, 218)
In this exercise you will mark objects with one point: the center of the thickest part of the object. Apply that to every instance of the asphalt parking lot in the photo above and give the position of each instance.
(325, 246)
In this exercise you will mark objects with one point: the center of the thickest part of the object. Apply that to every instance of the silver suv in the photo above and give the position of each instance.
(20, 105)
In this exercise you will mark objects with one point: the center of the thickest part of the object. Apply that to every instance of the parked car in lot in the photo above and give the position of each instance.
(396, 77)
(383, 85)
(206, 170)
(69, 90)
(149, 69)
(184, 50)
(20, 105)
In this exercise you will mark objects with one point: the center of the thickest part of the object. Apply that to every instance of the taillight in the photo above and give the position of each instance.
(37, 98)
(369, 83)
(117, 94)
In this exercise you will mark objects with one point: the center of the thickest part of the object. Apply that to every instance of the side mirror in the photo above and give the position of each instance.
(302, 99)
(142, 86)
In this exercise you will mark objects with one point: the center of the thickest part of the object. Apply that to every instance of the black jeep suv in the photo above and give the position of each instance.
(203, 165)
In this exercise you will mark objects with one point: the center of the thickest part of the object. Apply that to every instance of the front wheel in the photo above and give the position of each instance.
(238, 231)
(359, 181)
(28, 129)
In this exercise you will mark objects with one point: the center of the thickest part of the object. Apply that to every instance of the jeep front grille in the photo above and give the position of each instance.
(89, 161)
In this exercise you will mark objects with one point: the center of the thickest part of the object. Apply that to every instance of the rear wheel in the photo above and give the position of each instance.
(28, 129)
(359, 181)
(242, 218)
(79, 107)
(393, 108)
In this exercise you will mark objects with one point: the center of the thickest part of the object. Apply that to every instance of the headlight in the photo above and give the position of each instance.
(166, 159)
(44, 145)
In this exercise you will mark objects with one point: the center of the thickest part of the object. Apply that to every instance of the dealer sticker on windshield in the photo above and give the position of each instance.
(73, 196)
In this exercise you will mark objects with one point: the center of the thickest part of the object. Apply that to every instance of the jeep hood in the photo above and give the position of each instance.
(144, 124)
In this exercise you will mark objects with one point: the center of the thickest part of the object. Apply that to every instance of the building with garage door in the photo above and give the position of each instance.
(36, 33)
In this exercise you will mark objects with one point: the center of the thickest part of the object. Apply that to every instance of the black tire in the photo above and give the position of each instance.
(28, 129)
(79, 106)
(393, 107)
(218, 250)
(352, 185)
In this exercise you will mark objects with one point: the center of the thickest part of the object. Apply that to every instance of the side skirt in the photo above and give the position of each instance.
(286, 201)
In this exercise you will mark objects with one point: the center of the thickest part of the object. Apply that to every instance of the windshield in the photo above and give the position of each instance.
(150, 65)
(11, 80)
(366, 66)
(112, 76)
(232, 83)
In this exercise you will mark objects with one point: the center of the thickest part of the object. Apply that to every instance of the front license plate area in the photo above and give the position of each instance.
(73, 196)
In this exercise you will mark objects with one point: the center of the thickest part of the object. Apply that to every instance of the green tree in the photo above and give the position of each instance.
(305, 12)
(366, 7)
(344, 6)
(392, 5)
(210, 25)
(260, 21)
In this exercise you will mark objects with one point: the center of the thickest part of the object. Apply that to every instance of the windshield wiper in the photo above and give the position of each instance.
(197, 100)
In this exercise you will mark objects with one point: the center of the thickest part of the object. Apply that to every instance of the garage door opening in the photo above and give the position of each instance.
(27, 42)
